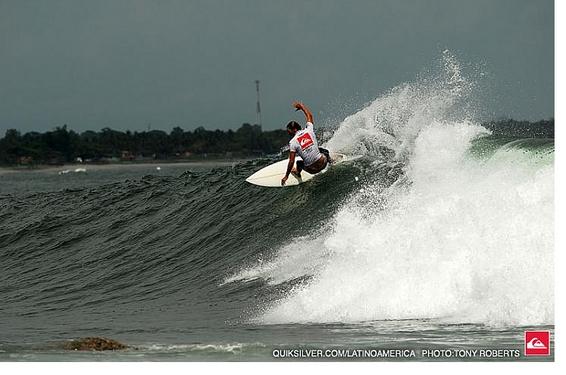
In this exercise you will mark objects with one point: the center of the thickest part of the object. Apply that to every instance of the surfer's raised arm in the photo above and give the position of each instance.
(308, 114)
(290, 166)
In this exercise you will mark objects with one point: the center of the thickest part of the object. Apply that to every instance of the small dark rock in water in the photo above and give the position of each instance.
(95, 344)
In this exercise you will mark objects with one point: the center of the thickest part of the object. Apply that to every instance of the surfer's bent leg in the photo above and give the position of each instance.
(300, 165)
(326, 153)
(298, 169)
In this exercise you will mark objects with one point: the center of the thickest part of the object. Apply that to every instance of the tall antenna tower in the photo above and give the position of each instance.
(258, 109)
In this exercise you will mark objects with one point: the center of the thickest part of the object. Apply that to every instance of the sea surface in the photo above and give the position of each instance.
(439, 238)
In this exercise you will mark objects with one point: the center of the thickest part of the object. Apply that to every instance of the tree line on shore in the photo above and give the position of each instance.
(523, 129)
(62, 145)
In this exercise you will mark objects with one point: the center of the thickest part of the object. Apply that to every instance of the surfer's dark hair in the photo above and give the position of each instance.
(293, 125)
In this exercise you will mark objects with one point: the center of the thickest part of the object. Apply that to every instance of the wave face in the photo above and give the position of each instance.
(465, 234)
(438, 220)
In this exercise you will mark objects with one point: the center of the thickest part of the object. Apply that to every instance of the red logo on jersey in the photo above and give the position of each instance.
(537, 343)
(305, 141)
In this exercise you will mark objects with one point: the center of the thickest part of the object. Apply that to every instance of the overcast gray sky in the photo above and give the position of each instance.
(127, 64)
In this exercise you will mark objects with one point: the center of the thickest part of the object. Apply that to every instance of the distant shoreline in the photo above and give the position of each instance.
(117, 165)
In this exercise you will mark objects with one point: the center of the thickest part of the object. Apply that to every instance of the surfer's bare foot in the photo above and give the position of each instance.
(296, 174)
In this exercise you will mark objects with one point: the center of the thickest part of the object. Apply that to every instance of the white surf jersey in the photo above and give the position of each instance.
(304, 143)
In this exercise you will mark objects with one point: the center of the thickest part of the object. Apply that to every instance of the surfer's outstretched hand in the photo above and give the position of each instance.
(301, 107)
(283, 180)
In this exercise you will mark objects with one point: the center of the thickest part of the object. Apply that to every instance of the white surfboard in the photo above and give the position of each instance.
(271, 175)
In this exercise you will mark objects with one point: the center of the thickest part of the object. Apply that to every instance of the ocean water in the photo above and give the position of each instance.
(439, 238)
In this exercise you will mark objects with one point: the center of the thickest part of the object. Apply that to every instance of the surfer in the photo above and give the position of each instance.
(303, 142)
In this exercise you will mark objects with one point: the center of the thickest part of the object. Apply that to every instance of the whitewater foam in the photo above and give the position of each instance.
(467, 242)
(460, 238)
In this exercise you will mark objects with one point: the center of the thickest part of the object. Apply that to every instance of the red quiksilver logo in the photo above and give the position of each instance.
(305, 140)
(537, 343)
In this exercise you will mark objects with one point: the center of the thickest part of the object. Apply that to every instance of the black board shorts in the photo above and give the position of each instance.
(301, 163)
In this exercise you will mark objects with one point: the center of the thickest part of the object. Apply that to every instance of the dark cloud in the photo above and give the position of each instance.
(127, 64)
